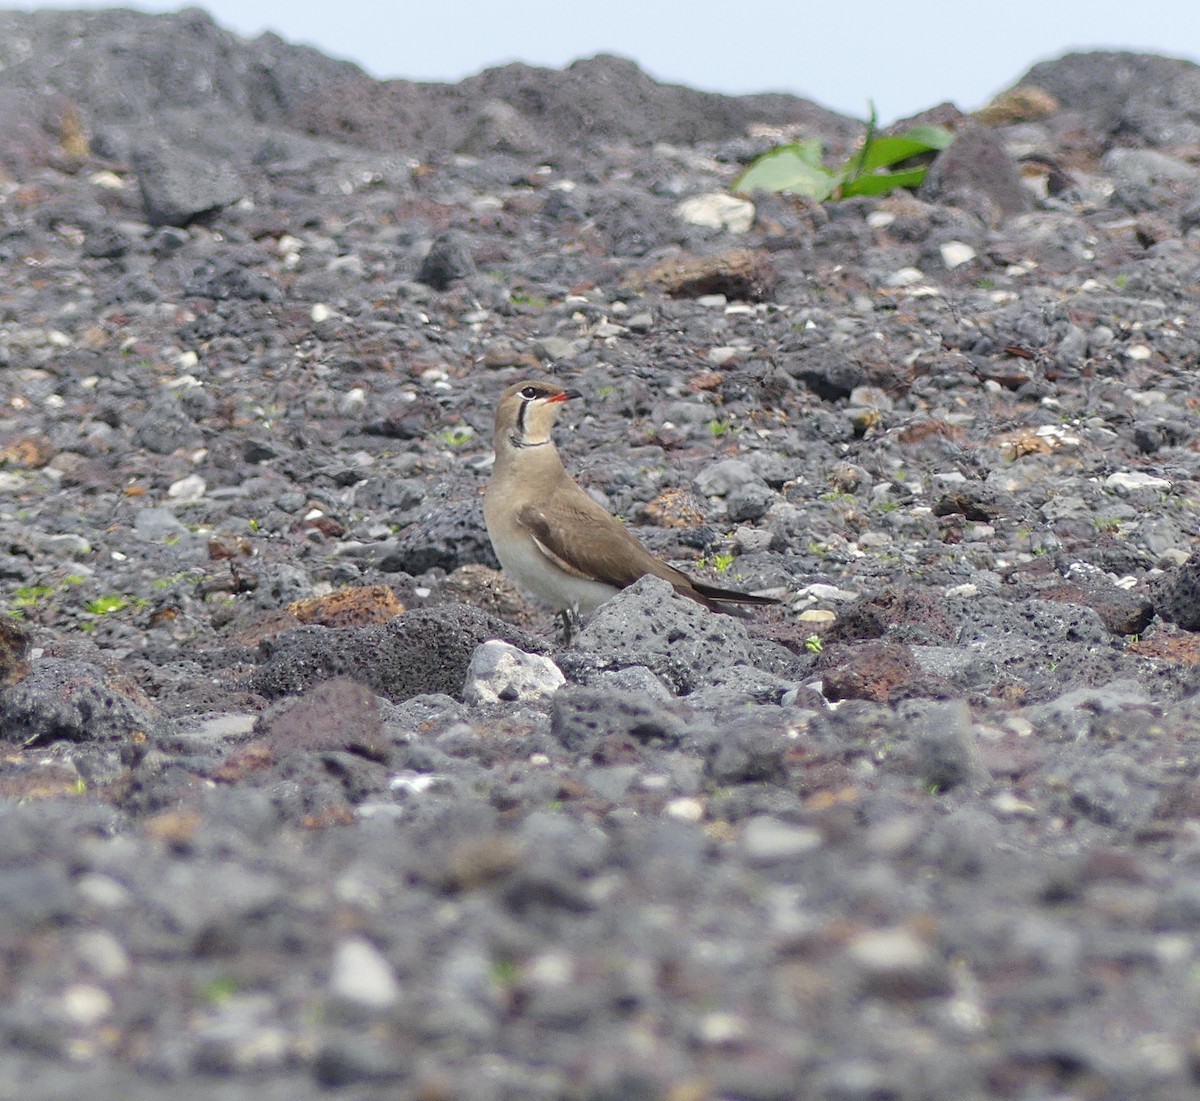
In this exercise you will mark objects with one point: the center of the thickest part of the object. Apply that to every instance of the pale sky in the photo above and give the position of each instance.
(904, 56)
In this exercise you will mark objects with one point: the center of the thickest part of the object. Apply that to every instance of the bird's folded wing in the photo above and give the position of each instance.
(582, 546)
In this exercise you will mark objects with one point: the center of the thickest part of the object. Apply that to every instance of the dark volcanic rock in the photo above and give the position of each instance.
(976, 164)
(448, 259)
(179, 188)
(194, 80)
(1176, 595)
(1127, 97)
(581, 716)
(649, 624)
(76, 701)
(423, 651)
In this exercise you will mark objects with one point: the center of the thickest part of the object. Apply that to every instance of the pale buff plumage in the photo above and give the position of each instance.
(549, 535)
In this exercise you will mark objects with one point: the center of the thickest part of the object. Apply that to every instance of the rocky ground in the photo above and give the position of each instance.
(300, 797)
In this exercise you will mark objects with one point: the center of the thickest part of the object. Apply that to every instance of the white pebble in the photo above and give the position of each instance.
(685, 809)
(717, 210)
(361, 976)
(187, 490)
(956, 253)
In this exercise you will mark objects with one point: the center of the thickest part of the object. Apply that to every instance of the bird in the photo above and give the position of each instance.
(551, 537)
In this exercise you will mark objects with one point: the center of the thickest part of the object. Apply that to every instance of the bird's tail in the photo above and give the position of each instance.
(730, 596)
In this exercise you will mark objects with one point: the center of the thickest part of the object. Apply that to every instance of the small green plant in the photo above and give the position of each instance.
(1121, 281)
(218, 990)
(457, 435)
(80, 786)
(718, 428)
(106, 605)
(30, 595)
(799, 166)
(836, 495)
(1109, 524)
(722, 562)
(505, 972)
(521, 298)
(813, 644)
(167, 582)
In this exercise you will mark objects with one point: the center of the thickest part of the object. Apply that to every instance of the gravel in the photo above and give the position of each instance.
(301, 798)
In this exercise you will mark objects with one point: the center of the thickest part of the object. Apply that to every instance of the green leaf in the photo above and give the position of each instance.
(936, 137)
(880, 183)
(796, 168)
(857, 165)
(894, 148)
(886, 151)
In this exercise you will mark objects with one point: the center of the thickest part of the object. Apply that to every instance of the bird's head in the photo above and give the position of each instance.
(527, 412)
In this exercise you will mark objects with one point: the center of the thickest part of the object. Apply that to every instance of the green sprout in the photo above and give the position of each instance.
(30, 595)
(218, 990)
(813, 644)
(505, 972)
(106, 605)
(457, 435)
(799, 167)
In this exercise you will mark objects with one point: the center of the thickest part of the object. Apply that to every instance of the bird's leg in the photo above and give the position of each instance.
(568, 624)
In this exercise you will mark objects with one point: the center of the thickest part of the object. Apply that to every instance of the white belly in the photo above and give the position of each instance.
(530, 569)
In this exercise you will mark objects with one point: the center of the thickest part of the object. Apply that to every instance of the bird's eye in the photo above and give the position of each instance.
(529, 393)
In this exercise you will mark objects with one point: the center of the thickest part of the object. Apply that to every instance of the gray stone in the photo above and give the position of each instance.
(499, 671)
(749, 501)
(1144, 168)
(977, 163)
(767, 840)
(649, 624)
(947, 752)
(448, 259)
(155, 524)
(580, 717)
(179, 188)
(740, 750)
(64, 699)
(723, 477)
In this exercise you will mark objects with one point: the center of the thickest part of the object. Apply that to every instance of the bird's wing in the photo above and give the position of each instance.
(591, 546)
